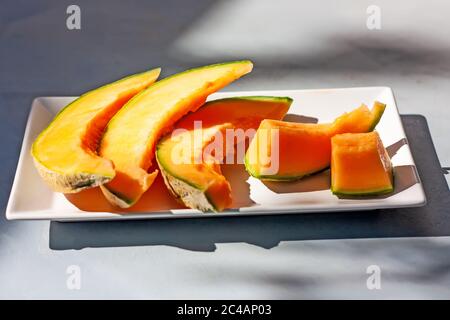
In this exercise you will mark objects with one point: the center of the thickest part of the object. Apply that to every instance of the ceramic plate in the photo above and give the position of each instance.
(31, 199)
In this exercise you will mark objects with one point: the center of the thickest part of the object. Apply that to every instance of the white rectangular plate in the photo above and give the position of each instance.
(30, 198)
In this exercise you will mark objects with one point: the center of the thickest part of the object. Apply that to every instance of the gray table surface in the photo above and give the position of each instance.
(294, 45)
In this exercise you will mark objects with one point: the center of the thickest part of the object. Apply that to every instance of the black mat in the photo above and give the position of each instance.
(267, 231)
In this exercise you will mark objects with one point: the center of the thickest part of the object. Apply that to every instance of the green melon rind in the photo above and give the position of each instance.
(117, 198)
(163, 165)
(286, 100)
(181, 188)
(186, 192)
(362, 193)
(378, 110)
(169, 176)
(278, 178)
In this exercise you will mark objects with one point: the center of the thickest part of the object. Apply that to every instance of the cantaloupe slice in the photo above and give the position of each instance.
(131, 136)
(286, 151)
(359, 120)
(65, 152)
(360, 165)
(193, 174)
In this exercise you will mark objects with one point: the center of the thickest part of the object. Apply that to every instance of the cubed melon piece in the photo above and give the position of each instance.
(360, 165)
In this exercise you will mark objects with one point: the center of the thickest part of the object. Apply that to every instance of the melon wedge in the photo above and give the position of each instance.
(65, 152)
(285, 151)
(360, 120)
(131, 136)
(191, 173)
(360, 165)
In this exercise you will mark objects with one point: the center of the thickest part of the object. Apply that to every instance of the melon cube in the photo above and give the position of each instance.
(360, 165)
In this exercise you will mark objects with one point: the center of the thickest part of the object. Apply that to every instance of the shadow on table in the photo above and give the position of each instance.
(268, 231)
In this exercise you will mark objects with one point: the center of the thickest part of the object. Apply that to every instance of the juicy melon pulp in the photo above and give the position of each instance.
(360, 165)
(285, 151)
(194, 176)
(288, 151)
(131, 136)
(191, 173)
(65, 152)
(359, 120)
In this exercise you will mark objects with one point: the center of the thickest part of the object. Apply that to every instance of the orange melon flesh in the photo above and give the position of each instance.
(242, 112)
(360, 165)
(288, 151)
(65, 152)
(196, 179)
(359, 120)
(131, 136)
(285, 151)
(193, 176)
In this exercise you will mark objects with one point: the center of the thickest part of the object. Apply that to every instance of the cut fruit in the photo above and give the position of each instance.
(242, 112)
(359, 120)
(65, 152)
(192, 173)
(131, 136)
(360, 165)
(288, 151)
(285, 151)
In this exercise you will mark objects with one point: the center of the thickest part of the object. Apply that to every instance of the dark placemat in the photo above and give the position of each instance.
(267, 231)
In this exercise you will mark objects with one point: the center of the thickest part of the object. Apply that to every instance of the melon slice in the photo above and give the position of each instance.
(360, 165)
(359, 120)
(193, 174)
(65, 152)
(198, 181)
(285, 151)
(131, 136)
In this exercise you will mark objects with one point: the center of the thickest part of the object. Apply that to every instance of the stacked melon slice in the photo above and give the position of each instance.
(191, 156)
(108, 136)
